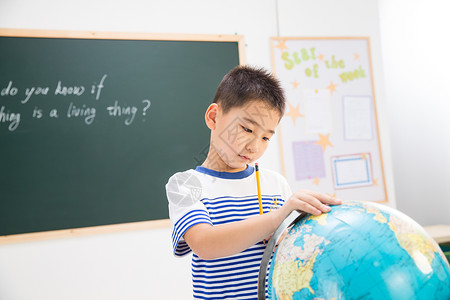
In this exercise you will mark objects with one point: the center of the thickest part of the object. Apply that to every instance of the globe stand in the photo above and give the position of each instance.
(293, 218)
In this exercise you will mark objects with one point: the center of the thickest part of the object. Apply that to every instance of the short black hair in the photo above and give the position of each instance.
(244, 84)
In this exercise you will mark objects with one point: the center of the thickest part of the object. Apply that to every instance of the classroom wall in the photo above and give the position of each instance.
(415, 54)
(139, 264)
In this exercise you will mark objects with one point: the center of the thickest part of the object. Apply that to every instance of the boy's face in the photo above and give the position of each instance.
(241, 135)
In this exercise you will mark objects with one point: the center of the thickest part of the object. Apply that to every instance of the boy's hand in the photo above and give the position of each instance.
(266, 240)
(311, 202)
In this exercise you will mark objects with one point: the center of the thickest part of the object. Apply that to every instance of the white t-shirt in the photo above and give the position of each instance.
(207, 196)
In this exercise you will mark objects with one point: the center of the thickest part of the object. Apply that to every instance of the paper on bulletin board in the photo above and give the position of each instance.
(329, 138)
(351, 171)
(358, 115)
(317, 111)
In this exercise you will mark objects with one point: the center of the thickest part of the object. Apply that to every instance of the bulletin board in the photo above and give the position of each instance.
(328, 138)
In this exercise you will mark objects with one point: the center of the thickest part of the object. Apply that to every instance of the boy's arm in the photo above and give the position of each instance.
(210, 242)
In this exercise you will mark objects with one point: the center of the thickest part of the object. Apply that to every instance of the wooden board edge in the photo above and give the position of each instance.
(86, 231)
(277, 38)
(374, 102)
(241, 50)
(44, 33)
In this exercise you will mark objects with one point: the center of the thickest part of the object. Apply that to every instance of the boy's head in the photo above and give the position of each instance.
(244, 84)
(246, 110)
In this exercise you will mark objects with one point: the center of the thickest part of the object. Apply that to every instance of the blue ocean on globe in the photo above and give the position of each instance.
(359, 250)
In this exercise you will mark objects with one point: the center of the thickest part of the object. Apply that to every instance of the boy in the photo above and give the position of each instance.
(214, 209)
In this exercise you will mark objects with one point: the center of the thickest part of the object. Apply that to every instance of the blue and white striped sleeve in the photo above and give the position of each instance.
(185, 208)
(191, 218)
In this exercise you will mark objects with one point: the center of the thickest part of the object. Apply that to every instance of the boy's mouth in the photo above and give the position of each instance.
(244, 157)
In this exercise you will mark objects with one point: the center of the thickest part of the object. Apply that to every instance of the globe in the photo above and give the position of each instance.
(359, 250)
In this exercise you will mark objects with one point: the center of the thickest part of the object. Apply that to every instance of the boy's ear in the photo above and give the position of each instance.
(211, 115)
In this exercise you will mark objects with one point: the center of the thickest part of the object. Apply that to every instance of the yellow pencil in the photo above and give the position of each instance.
(259, 189)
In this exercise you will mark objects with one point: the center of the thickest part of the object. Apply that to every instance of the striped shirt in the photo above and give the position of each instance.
(207, 196)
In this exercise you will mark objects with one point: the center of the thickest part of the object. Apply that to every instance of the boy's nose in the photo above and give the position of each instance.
(253, 146)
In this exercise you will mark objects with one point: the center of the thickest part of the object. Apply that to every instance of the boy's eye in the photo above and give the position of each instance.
(246, 129)
(266, 139)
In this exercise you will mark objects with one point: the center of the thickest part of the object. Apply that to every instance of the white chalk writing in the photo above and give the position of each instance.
(128, 111)
(80, 105)
(7, 116)
(87, 112)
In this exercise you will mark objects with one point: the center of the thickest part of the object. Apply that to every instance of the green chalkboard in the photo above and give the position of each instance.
(92, 128)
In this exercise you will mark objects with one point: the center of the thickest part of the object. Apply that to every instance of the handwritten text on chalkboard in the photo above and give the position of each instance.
(12, 118)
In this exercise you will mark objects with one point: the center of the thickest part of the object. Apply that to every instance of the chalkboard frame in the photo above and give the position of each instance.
(34, 33)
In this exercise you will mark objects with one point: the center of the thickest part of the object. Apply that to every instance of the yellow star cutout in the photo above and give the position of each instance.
(332, 196)
(316, 181)
(295, 84)
(356, 56)
(324, 141)
(332, 87)
(364, 156)
(294, 112)
(281, 45)
(320, 56)
(375, 182)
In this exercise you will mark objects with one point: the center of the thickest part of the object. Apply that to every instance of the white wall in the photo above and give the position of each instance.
(416, 51)
(133, 265)
(139, 265)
